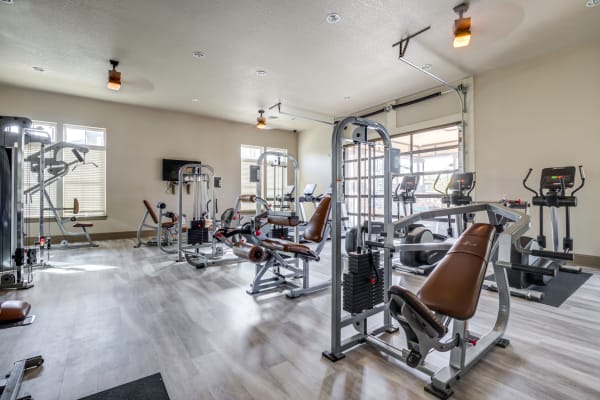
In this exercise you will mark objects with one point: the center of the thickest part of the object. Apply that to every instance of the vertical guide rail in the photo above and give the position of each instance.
(335, 352)
(260, 161)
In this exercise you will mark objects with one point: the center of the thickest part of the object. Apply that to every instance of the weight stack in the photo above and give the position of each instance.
(279, 233)
(360, 293)
(198, 233)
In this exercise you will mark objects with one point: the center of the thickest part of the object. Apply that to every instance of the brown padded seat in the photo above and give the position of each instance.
(247, 198)
(13, 311)
(315, 229)
(289, 247)
(454, 286)
(283, 220)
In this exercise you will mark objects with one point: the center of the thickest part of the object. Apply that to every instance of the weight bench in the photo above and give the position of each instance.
(166, 228)
(450, 293)
(284, 254)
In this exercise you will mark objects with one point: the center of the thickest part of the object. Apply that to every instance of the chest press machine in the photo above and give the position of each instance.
(449, 295)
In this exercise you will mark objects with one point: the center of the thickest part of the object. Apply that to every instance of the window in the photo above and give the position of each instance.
(272, 176)
(428, 154)
(31, 206)
(87, 182)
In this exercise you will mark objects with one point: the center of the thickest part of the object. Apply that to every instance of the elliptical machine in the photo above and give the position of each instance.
(533, 265)
(457, 192)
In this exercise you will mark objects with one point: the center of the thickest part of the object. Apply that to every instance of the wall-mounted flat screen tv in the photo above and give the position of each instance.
(170, 168)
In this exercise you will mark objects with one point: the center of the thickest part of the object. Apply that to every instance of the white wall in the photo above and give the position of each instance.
(138, 138)
(542, 113)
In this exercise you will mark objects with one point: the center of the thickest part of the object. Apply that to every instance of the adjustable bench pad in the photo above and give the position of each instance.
(290, 247)
(13, 311)
(454, 286)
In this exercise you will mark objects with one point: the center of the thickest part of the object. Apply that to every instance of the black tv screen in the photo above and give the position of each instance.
(170, 168)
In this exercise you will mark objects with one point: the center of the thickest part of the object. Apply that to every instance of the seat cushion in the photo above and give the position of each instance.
(454, 286)
(13, 311)
(289, 247)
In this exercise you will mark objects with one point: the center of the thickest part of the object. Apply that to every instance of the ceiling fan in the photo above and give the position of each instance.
(261, 120)
(116, 83)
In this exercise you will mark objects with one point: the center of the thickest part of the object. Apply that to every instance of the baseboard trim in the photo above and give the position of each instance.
(101, 236)
(586, 260)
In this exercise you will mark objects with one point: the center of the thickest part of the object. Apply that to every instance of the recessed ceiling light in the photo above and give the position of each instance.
(333, 18)
(261, 72)
(195, 100)
(198, 54)
(592, 3)
(426, 67)
(38, 69)
(346, 97)
(7, 1)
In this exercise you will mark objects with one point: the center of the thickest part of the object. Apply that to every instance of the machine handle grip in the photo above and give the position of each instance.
(552, 254)
(534, 270)
(582, 176)
(474, 183)
(78, 155)
(435, 185)
(525, 183)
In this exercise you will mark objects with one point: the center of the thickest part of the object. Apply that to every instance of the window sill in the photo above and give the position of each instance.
(81, 218)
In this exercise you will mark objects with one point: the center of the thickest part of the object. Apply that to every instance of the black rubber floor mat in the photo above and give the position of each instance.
(560, 288)
(149, 388)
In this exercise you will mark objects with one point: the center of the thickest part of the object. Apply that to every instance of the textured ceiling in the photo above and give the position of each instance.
(312, 65)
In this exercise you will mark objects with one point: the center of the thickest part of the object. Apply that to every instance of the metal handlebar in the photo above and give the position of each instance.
(474, 183)
(435, 186)
(525, 183)
(582, 177)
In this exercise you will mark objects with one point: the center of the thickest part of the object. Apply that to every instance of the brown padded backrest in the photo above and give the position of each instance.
(454, 286)
(75, 206)
(247, 198)
(315, 229)
(151, 211)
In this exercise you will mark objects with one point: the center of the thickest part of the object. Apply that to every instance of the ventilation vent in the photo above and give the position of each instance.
(7, 1)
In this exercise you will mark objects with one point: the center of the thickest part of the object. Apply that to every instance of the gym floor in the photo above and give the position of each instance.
(114, 314)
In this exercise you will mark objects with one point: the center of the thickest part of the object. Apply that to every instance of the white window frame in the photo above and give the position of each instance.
(264, 172)
(60, 133)
(350, 191)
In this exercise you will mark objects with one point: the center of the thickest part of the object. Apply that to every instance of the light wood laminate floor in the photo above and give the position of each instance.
(113, 314)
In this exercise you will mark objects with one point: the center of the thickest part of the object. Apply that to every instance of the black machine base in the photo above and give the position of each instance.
(503, 343)
(332, 356)
(440, 394)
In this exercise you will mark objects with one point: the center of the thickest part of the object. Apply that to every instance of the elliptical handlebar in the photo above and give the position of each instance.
(582, 177)
(525, 183)
(474, 183)
(438, 190)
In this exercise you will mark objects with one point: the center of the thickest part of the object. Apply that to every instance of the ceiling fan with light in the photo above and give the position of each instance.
(261, 120)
